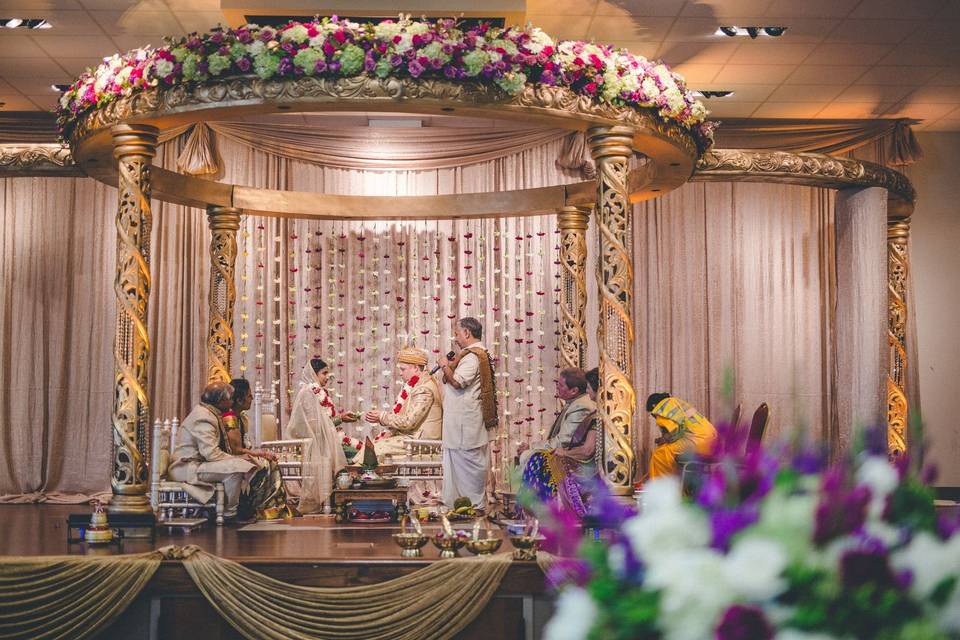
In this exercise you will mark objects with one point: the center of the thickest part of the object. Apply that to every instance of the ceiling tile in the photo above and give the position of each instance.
(825, 74)
(123, 5)
(563, 27)
(47, 102)
(929, 55)
(135, 22)
(879, 93)
(128, 43)
(646, 49)
(646, 29)
(721, 109)
(810, 8)
(17, 103)
(772, 53)
(67, 23)
(934, 95)
(76, 46)
(696, 52)
(898, 9)
(753, 74)
(742, 92)
(873, 31)
(946, 76)
(935, 31)
(76, 66)
(696, 30)
(950, 11)
(201, 21)
(652, 8)
(801, 30)
(16, 46)
(898, 75)
(33, 6)
(853, 110)
(867, 54)
(821, 93)
(921, 111)
(561, 7)
(214, 5)
(945, 124)
(726, 8)
(698, 74)
(38, 85)
(6, 88)
(26, 67)
(788, 110)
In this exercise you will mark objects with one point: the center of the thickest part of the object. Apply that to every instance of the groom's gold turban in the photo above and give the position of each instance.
(412, 355)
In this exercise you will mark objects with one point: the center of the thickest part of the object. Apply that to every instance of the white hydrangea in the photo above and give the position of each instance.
(417, 28)
(754, 568)
(255, 47)
(789, 519)
(666, 524)
(694, 592)
(794, 634)
(575, 613)
(929, 560)
(387, 30)
(881, 478)
(405, 43)
(163, 68)
(539, 40)
(652, 91)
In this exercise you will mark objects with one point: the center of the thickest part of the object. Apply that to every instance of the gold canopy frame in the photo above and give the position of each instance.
(115, 144)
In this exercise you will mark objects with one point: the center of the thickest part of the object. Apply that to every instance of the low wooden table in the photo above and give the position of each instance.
(343, 498)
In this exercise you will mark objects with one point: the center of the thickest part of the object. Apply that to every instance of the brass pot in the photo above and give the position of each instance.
(410, 543)
(484, 546)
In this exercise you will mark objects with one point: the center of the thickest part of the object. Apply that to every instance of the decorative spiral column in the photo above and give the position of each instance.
(898, 270)
(572, 222)
(134, 147)
(224, 223)
(611, 148)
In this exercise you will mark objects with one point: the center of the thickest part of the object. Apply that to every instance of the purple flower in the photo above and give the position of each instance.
(396, 60)
(726, 523)
(216, 37)
(547, 77)
(289, 47)
(450, 71)
(285, 68)
(415, 68)
(243, 64)
(436, 63)
(742, 622)
(244, 36)
(842, 510)
(568, 570)
(266, 35)
(369, 64)
(334, 67)
(866, 566)
(875, 440)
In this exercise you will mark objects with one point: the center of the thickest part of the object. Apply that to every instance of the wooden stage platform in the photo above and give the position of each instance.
(309, 551)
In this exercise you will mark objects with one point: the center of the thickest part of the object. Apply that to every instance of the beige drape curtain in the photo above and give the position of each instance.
(730, 278)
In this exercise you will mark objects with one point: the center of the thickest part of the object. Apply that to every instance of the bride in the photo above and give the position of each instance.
(314, 418)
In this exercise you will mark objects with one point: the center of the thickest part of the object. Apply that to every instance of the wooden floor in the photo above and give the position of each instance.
(311, 551)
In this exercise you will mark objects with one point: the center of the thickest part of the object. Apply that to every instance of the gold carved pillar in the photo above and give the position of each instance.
(611, 148)
(898, 270)
(134, 147)
(224, 223)
(572, 222)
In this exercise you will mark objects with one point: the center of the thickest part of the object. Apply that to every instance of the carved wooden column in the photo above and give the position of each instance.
(898, 270)
(134, 147)
(611, 148)
(224, 223)
(572, 222)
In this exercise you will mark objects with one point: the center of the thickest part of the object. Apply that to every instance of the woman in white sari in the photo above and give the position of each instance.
(313, 418)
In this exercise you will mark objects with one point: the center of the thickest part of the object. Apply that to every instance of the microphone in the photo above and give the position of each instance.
(450, 356)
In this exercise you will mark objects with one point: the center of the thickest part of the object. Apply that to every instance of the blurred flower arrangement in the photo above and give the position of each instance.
(774, 543)
(510, 58)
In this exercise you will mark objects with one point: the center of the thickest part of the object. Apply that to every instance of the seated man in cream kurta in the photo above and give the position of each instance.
(417, 413)
(200, 455)
(572, 389)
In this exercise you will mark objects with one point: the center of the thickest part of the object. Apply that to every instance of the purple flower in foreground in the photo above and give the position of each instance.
(726, 523)
(285, 68)
(841, 510)
(741, 622)
(415, 68)
(568, 570)
(867, 566)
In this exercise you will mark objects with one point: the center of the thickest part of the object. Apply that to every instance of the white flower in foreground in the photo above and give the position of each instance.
(666, 524)
(949, 617)
(794, 634)
(573, 617)
(694, 592)
(881, 478)
(754, 568)
(929, 560)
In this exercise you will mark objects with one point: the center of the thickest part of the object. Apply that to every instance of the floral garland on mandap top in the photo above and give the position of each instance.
(774, 544)
(332, 48)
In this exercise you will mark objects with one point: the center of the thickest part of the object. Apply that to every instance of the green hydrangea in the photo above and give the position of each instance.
(217, 63)
(237, 50)
(265, 64)
(434, 51)
(473, 62)
(180, 53)
(512, 82)
(383, 68)
(190, 71)
(306, 59)
(351, 60)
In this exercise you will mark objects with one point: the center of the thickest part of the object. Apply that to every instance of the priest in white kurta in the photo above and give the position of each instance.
(466, 457)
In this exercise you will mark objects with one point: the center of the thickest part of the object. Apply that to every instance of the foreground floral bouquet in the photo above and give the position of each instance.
(775, 544)
(330, 48)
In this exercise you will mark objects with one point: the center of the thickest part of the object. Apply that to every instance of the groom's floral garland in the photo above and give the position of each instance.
(332, 48)
(325, 402)
(405, 394)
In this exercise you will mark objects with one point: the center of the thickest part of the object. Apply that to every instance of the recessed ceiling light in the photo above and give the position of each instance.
(59, 87)
(753, 32)
(708, 93)
(24, 23)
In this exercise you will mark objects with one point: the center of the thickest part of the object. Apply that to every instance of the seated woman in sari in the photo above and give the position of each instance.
(683, 432)
(266, 497)
(566, 472)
